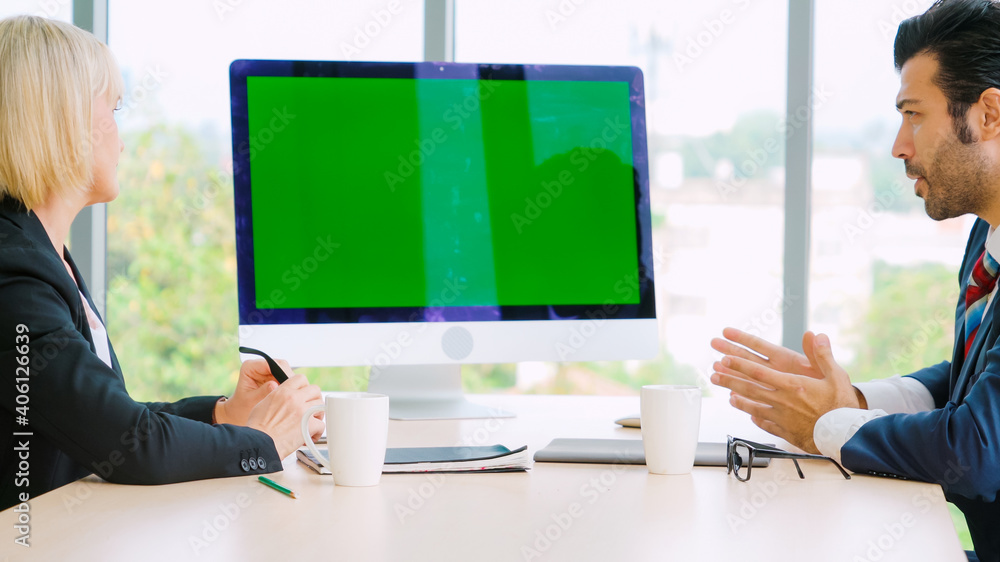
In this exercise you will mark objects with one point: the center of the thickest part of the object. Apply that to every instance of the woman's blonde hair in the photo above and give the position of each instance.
(50, 74)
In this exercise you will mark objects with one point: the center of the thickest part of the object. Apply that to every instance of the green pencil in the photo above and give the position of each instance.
(271, 483)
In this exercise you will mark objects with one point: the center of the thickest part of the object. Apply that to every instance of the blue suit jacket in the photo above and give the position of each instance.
(80, 417)
(956, 445)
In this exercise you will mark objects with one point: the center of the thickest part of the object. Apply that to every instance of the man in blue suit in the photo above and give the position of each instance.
(940, 424)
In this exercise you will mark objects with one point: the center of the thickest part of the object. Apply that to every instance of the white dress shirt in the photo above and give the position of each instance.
(895, 395)
(99, 332)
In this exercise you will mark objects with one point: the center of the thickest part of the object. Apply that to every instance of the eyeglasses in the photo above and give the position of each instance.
(741, 453)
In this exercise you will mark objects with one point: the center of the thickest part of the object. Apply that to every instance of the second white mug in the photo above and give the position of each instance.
(670, 417)
(357, 429)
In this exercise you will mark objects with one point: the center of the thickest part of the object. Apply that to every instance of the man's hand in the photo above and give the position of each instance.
(784, 392)
(254, 384)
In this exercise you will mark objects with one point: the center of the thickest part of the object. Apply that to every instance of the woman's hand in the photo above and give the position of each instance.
(280, 413)
(255, 383)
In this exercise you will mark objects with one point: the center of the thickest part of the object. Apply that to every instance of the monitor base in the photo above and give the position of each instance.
(427, 392)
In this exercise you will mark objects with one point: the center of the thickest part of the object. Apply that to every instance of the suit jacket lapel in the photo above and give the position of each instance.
(90, 301)
(82, 284)
(974, 364)
(965, 366)
(958, 359)
(14, 211)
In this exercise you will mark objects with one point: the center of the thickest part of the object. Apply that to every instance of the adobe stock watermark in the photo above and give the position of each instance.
(424, 148)
(697, 45)
(225, 7)
(870, 214)
(761, 493)
(419, 496)
(560, 13)
(21, 440)
(296, 275)
(292, 278)
(455, 116)
(220, 182)
(758, 325)
(785, 129)
(561, 522)
(391, 350)
(956, 470)
(280, 118)
(222, 518)
(928, 331)
(118, 280)
(52, 8)
(581, 157)
(150, 81)
(152, 78)
(129, 441)
(367, 32)
(53, 346)
(893, 532)
(596, 319)
(299, 273)
(901, 11)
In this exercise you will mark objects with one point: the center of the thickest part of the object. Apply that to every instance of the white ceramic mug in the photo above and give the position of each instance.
(357, 427)
(670, 416)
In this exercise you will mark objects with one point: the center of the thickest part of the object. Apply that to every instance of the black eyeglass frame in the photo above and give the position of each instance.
(768, 452)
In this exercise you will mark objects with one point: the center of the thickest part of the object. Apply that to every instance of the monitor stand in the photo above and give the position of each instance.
(427, 392)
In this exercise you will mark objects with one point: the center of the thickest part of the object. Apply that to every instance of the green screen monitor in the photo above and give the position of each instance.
(416, 216)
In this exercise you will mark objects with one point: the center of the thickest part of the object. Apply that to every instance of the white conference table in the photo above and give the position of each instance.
(552, 512)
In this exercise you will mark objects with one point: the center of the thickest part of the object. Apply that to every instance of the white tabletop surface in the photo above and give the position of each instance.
(552, 512)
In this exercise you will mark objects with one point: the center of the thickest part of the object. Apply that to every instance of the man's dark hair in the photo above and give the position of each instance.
(964, 37)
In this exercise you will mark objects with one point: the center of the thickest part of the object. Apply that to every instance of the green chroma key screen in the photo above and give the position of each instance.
(395, 192)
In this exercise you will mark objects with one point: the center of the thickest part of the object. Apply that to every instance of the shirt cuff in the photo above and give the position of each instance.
(215, 408)
(836, 427)
(897, 395)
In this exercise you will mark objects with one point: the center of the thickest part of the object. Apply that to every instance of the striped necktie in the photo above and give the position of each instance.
(981, 283)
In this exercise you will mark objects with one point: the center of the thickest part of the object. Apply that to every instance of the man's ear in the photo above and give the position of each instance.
(989, 105)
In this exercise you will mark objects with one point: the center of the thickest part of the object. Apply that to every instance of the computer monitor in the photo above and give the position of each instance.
(413, 217)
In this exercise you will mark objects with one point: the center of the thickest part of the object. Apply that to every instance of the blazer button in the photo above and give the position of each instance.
(253, 463)
(245, 465)
(260, 463)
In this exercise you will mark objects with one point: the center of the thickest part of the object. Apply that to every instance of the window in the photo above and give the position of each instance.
(171, 250)
(716, 147)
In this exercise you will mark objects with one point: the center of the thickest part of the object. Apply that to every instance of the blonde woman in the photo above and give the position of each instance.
(64, 409)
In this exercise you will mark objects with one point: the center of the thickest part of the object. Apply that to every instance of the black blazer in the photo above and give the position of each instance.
(80, 418)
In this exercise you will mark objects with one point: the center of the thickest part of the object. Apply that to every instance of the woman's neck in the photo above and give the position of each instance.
(57, 215)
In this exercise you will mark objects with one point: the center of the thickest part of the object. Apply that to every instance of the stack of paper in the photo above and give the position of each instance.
(493, 458)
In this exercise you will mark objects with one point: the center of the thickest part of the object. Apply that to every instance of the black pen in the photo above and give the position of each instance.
(276, 371)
